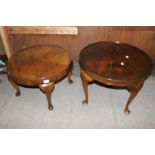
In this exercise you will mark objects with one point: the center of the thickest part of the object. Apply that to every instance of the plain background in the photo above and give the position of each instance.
(77, 13)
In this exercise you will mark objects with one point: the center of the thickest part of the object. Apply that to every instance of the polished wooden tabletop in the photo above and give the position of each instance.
(40, 66)
(34, 65)
(115, 61)
(116, 64)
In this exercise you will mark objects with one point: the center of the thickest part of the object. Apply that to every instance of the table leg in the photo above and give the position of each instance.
(85, 80)
(15, 86)
(70, 74)
(47, 89)
(134, 91)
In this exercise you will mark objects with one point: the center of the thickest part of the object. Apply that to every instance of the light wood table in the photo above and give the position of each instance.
(40, 66)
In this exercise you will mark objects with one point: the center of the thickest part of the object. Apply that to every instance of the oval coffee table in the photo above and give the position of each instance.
(40, 66)
(116, 64)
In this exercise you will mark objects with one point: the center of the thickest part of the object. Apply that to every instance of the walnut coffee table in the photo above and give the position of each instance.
(116, 64)
(40, 66)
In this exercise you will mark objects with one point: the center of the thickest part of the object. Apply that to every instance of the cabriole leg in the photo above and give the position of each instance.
(47, 89)
(15, 86)
(85, 80)
(70, 74)
(134, 91)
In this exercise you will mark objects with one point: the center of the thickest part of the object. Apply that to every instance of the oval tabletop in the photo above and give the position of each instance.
(115, 60)
(38, 63)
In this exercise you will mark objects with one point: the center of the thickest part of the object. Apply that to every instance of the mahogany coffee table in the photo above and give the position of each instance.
(115, 64)
(40, 66)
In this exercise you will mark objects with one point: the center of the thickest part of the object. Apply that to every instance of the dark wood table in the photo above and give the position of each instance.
(40, 66)
(115, 64)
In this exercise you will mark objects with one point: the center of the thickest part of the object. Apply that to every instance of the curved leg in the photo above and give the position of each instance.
(15, 86)
(85, 80)
(47, 89)
(70, 74)
(134, 91)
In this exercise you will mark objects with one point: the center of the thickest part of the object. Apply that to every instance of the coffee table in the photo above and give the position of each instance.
(115, 64)
(40, 66)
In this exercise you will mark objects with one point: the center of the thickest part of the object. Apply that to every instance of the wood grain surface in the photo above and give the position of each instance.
(141, 36)
(72, 43)
(69, 30)
(114, 64)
